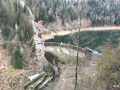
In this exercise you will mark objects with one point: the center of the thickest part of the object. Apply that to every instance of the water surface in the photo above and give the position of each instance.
(97, 40)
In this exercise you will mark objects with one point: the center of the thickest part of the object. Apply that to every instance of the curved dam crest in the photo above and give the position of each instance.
(71, 50)
(64, 49)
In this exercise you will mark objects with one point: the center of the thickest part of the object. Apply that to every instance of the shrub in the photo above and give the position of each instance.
(4, 45)
(31, 54)
(52, 58)
(33, 48)
(109, 67)
(31, 43)
(17, 59)
(6, 32)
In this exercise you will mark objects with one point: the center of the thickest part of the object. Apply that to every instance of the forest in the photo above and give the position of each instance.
(16, 28)
(99, 12)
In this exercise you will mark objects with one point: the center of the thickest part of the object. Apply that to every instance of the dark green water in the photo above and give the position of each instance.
(96, 40)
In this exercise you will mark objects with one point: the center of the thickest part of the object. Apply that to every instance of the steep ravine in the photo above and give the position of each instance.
(39, 54)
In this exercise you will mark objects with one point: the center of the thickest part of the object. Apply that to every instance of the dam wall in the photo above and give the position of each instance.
(64, 49)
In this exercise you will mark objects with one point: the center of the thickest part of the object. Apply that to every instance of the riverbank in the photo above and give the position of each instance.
(62, 33)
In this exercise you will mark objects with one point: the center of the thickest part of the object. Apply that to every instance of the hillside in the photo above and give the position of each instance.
(16, 45)
(92, 12)
(27, 62)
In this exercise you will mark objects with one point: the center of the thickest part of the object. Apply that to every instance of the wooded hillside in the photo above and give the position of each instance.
(99, 12)
(16, 28)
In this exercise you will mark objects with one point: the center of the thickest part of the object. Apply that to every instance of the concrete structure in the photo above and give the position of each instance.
(43, 31)
(89, 55)
(64, 49)
(35, 76)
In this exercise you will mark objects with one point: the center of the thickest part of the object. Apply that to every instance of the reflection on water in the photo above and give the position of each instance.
(96, 40)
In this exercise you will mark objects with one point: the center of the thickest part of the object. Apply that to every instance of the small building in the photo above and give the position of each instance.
(43, 31)
(40, 41)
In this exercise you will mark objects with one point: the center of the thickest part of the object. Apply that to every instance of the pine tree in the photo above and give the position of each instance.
(17, 59)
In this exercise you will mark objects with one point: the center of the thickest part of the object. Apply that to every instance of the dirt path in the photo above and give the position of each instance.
(50, 36)
(88, 29)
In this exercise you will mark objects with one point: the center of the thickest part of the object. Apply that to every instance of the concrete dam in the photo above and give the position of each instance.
(71, 50)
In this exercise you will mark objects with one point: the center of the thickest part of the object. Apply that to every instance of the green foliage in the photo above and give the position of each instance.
(102, 12)
(31, 43)
(47, 12)
(99, 12)
(9, 47)
(31, 54)
(6, 32)
(12, 14)
(98, 22)
(33, 48)
(109, 66)
(48, 70)
(17, 59)
(25, 9)
(52, 58)
(75, 4)
(93, 3)
(4, 45)
(117, 21)
(25, 32)
(73, 15)
(51, 18)
(7, 16)
(63, 22)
